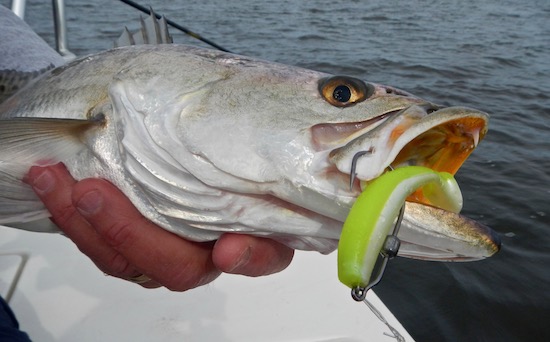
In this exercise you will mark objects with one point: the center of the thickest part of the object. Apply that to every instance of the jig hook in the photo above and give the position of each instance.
(352, 173)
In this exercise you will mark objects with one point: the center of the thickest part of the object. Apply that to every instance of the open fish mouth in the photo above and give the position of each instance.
(445, 146)
(437, 138)
(422, 135)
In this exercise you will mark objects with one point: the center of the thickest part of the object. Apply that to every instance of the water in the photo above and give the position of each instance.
(491, 55)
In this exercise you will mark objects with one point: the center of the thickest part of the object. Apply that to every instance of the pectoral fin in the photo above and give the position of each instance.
(25, 142)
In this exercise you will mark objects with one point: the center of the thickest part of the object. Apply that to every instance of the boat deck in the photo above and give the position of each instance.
(61, 296)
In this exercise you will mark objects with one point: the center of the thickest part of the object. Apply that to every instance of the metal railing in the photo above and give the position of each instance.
(60, 24)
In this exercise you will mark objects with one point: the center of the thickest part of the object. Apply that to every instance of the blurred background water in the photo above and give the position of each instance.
(490, 55)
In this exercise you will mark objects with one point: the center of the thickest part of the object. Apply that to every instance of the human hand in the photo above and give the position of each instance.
(106, 227)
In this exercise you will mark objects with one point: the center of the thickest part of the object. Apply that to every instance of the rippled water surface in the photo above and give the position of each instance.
(491, 55)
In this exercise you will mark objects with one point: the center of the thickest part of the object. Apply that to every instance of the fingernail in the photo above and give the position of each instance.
(243, 259)
(90, 203)
(44, 183)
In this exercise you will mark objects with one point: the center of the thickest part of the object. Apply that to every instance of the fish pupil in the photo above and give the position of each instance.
(341, 93)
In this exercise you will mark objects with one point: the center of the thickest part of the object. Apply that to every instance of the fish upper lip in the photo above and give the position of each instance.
(441, 139)
(326, 135)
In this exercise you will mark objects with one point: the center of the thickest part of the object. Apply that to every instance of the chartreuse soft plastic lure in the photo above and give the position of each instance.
(374, 214)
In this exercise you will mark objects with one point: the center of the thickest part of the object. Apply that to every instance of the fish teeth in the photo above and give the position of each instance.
(475, 136)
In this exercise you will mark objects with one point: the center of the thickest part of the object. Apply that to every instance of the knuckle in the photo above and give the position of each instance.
(114, 264)
(119, 233)
(64, 216)
(119, 266)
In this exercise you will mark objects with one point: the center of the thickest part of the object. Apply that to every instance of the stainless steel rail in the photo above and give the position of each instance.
(60, 24)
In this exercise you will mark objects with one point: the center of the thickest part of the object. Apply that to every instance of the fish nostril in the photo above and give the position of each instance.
(430, 108)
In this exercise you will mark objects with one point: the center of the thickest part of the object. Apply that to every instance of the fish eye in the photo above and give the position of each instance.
(344, 91)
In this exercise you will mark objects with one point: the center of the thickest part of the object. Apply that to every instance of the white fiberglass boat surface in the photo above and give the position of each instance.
(61, 296)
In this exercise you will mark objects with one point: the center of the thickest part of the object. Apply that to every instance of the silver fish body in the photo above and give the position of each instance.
(204, 142)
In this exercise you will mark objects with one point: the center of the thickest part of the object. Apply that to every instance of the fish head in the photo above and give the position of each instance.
(388, 128)
(383, 128)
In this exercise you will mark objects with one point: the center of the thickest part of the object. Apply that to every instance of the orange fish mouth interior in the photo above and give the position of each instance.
(442, 148)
